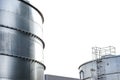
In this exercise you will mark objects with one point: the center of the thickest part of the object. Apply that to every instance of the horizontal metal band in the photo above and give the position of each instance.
(109, 73)
(27, 33)
(102, 75)
(24, 58)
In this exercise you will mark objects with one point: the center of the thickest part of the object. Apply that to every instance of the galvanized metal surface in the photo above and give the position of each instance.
(13, 68)
(21, 44)
(106, 68)
(17, 14)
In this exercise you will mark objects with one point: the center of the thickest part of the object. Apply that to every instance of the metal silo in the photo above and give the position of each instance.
(21, 44)
(105, 66)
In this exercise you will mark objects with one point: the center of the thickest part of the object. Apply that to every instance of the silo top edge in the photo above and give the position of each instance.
(96, 59)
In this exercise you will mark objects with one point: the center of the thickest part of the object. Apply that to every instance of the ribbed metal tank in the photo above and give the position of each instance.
(21, 44)
(106, 67)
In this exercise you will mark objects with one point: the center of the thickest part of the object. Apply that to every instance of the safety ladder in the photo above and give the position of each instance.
(98, 54)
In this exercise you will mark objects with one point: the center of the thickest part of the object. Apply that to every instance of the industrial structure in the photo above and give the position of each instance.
(21, 44)
(54, 77)
(104, 66)
(21, 48)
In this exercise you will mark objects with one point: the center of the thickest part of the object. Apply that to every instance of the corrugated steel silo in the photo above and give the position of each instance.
(21, 44)
(104, 67)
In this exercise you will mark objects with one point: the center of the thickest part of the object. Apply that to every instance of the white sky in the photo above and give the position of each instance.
(72, 27)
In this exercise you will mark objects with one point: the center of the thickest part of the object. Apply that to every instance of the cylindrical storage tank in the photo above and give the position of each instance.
(21, 44)
(105, 68)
